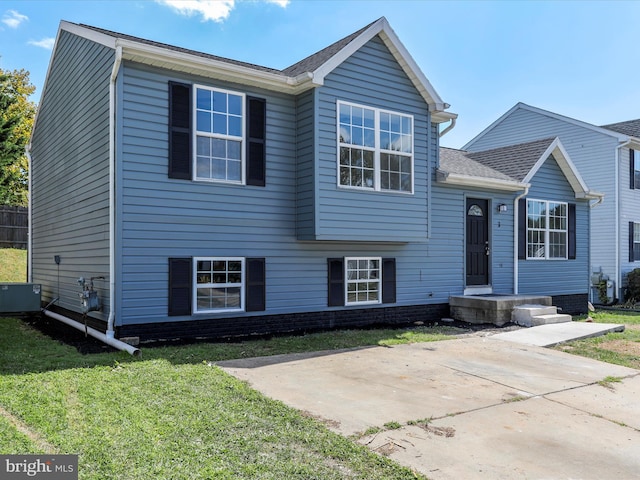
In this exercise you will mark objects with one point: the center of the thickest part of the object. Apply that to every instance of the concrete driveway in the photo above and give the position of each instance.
(479, 407)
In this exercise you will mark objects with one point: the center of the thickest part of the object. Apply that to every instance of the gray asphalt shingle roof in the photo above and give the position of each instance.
(458, 162)
(511, 163)
(308, 64)
(630, 127)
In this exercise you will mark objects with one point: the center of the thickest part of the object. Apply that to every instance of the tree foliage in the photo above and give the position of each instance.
(16, 120)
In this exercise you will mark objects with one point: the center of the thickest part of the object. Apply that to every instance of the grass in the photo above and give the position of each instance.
(168, 415)
(13, 265)
(601, 348)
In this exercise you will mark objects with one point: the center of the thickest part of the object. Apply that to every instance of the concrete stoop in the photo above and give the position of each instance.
(534, 315)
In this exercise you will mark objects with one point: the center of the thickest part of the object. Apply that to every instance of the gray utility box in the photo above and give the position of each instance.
(19, 297)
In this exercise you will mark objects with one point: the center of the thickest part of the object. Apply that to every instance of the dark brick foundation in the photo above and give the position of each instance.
(576, 304)
(217, 328)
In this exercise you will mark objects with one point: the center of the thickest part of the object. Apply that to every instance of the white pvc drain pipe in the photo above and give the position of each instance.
(113, 342)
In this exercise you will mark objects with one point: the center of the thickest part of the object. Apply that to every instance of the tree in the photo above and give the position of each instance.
(16, 120)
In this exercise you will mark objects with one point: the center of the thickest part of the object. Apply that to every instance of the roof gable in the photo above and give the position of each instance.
(609, 132)
(303, 75)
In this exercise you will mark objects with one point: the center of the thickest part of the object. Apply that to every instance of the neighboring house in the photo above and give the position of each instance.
(608, 157)
(209, 197)
(530, 236)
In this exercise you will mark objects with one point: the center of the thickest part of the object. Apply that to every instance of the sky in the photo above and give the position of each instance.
(576, 58)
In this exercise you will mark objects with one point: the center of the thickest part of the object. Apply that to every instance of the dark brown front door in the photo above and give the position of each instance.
(477, 233)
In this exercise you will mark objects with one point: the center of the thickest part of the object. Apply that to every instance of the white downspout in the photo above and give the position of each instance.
(449, 127)
(29, 219)
(516, 215)
(112, 183)
(618, 272)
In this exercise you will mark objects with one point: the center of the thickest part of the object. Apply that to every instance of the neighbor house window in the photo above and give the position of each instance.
(375, 149)
(219, 284)
(362, 280)
(635, 246)
(546, 229)
(220, 138)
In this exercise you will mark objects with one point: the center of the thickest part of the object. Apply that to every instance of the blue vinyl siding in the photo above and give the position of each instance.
(447, 244)
(162, 217)
(593, 154)
(557, 277)
(347, 214)
(70, 174)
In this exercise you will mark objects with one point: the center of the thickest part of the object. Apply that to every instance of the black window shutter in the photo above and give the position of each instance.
(632, 170)
(388, 280)
(179, 286)
(632, 255)
(255, 300)
(522, 229)
(179, 131)
(256, 153)
(336, 281)
(571, 240)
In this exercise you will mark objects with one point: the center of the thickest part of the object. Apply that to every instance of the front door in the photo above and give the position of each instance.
(477, 233)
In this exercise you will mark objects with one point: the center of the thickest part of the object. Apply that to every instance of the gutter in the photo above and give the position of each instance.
(515, 239)
(112, 184)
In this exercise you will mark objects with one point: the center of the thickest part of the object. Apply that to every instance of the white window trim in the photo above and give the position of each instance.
(547, 230)
(346, 281)
(195, 134)
(377, 150)
(196, 285)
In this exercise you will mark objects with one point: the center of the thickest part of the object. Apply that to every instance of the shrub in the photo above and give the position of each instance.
(633, 285)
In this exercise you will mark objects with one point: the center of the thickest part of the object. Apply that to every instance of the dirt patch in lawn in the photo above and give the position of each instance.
(626, 347)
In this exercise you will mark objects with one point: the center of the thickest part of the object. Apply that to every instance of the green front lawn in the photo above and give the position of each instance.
(620, 348)
(172, 414)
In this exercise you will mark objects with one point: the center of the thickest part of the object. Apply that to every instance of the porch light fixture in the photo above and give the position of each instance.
(502, 208)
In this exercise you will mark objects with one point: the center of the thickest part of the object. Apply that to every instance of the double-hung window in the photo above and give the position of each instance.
(363, 280)
(375, 149)
(219, 283)
(220, 136)
(546, 229)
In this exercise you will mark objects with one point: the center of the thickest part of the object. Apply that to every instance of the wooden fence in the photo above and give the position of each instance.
(14, 226)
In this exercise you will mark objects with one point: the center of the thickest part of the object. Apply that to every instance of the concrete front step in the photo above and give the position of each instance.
(534, 315)
(547, 319)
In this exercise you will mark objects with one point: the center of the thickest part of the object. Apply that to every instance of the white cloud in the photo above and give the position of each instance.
(46, 43)
(213, 10)
(13, 19)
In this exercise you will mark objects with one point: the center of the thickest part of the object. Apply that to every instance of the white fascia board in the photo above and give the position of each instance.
(442, 117)
(89, 34)
(158, 56)
(568, 168)
(591, 195)
(397, 49)
(480, 182)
